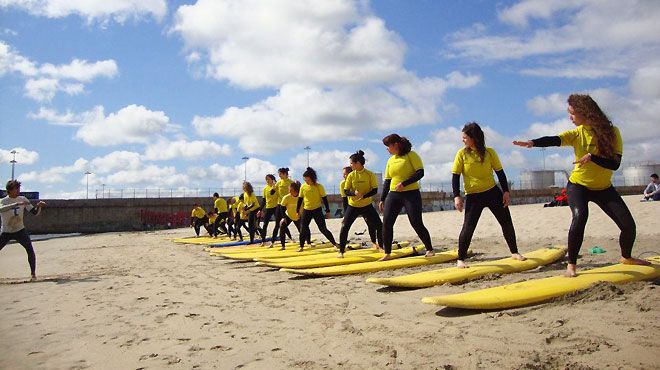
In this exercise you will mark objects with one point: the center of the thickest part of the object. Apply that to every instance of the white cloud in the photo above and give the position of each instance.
(43, 82)
(53, 175)
(645, 82)
(9, 31)
(539, 129)
(115, 161)
(183, 149)
(131, 124)
(23, 156)
(573, 39)
(231, 177)
(92, 10)
(150, 175)
(553, 104)
(329, 164)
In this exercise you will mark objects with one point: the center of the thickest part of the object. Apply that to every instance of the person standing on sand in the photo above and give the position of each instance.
(360, 186)
(220, 205)
(309, 200)
(250, 207)
(12, 208)
(290, 204)
(598, 149)
(198, 218)
(269, 203)
(344, 202)
(476, 163)
(282, 189)
(400, 189)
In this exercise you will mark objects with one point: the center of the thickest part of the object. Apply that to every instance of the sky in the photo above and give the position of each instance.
(147, 94)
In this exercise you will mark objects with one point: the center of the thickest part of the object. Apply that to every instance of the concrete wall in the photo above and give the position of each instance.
(105, 215)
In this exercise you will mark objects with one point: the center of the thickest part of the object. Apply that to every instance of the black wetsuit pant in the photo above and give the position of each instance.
(199, 222)
(252, 224)
(23, 238)
(318, 217)
(371, 217)
(474, 205)
(612, 204)
(270, 212)
(394, 202)
(220, 223)
(284, 229)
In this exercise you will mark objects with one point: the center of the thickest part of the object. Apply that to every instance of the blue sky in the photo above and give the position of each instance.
(155, 94)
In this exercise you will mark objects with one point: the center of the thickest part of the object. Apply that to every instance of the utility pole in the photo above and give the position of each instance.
(102, 190)
(245, 165)
(307, 148)
(13, 163)
(87, 173)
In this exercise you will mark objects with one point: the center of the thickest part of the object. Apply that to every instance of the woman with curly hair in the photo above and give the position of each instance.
(598, 149)
(250, 207)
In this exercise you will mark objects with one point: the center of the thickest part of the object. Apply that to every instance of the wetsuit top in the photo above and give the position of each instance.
(312, 195)
(583, 141)
(220, 205)
(250, 201)
(400, 168)
(198, 212)
(282, 188)
(477, 175)
(363, 181)
(12, 213)
(271, 196)
(291, 203)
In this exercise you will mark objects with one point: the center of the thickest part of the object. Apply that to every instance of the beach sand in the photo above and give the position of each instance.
(138, 301)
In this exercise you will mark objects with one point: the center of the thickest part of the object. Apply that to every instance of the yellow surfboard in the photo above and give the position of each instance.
(539, 290)
(201, 240)
(426, 279)
(301, 257)
(348, 259)
(250, 256)
(364, 267)
(253, 247)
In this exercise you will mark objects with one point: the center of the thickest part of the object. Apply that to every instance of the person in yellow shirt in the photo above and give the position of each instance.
(250, 207)
(400, 189)
(598, 149)
(311, 195)
(476, 163)
(360, 186)
(344, 202)
(290, 204)
(282, 189)
(235, 221)
(198, 218)
(269, 203)
(210, 226)
(220, 205)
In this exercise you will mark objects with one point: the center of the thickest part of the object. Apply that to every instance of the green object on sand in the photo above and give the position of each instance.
(596, 250)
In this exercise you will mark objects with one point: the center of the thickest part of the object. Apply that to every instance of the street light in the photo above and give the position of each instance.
(245, 176)
(543, 153)
(307, 148)
(87, 173)
(13, 162)
(102, 190)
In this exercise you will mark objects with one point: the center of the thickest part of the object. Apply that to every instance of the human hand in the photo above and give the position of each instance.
(585, 158)
(458, 203)
(399, 187)
(525, 144)
(41, 204)
(505, 199)
(381, 206)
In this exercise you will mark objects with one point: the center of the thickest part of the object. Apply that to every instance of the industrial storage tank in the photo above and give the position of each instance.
(539, 179)
(638, 174)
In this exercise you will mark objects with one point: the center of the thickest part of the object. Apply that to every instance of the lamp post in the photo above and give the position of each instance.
(543, 154)
(102, 190)
(87, 173)
(307, 148)
(245, 165)
(13, 163)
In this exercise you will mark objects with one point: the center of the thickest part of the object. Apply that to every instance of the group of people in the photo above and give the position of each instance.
(596, 143)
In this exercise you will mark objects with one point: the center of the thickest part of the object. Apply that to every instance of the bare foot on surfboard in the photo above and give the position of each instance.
(571, 271)
(386, 257)
(461, 264)
(340, 255)
(429, 254)
(634, 261)
(519, 257)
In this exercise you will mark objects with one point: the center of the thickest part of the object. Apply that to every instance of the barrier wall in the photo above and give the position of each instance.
(107, 215)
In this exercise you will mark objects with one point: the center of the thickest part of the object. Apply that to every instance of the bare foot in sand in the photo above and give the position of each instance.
(461, 264)
(429, 254)
(634, 261)
(519, 257)
(386, 257)
(33, 278)
(571, 270)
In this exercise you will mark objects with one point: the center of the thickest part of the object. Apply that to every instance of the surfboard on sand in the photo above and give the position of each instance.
(365, 267)
(349, 257)
(540, 290)
(540, 257)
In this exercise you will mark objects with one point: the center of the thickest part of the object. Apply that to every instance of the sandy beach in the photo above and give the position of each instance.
(139, 301)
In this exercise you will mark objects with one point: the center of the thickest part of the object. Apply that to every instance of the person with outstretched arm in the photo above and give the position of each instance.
(12, 208)
(598, 148)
